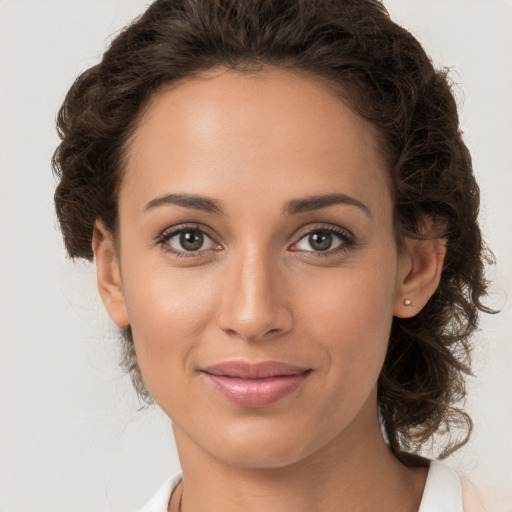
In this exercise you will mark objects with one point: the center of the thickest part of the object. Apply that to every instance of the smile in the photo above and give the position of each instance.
(255, 385)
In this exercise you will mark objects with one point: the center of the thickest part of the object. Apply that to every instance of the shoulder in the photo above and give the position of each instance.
(474, 499)
(448, 491)
(443, 489)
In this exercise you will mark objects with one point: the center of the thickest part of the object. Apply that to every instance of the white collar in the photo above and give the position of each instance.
(443, 490)
(160, 501)
(442, 493)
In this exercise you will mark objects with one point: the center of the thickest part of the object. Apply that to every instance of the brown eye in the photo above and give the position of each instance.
(191, 240)
(187, 240)
(320, 240)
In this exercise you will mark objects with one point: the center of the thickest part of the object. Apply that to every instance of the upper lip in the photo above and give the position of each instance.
(261, 370)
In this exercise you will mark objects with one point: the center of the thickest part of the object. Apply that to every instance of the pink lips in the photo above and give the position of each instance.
(255, 385)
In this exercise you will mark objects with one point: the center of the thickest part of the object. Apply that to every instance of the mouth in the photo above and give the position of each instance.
(255, 384)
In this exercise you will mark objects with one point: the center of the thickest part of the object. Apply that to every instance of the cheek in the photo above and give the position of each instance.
(169, 309)
(349, 313)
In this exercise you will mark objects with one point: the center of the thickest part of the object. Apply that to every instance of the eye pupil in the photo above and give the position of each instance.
(320, 240)
(191, 240)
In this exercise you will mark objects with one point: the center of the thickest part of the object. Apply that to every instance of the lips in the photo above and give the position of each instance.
(255, 384)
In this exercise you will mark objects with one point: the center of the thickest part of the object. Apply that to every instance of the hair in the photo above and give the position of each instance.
(384, 74)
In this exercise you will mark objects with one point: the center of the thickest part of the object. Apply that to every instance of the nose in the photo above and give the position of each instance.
(253, 306)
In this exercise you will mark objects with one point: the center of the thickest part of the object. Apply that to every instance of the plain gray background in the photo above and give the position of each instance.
(71, 438)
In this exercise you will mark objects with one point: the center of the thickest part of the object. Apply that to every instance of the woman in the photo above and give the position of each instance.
(283, 217)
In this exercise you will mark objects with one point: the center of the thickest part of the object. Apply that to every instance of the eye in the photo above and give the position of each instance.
(187, 241)
(325, 240)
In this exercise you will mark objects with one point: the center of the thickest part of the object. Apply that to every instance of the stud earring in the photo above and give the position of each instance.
(407, 302)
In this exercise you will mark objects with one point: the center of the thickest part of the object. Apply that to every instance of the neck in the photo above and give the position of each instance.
(355, 471)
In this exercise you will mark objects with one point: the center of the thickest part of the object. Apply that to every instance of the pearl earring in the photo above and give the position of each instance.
(407, 302)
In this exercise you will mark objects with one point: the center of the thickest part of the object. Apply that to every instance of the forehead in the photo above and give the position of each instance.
(225, 130)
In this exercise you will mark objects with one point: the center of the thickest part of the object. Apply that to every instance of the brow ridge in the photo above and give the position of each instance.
(317, 202)
(292, 207)
(187, 200)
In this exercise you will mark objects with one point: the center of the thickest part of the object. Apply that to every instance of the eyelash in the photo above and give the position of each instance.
(169, 233)
(347, 240)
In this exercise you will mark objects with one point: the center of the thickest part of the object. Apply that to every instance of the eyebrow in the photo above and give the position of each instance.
(294, 206)
(189, 201)
(322, 201)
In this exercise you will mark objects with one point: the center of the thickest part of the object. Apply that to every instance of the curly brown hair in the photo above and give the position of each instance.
(387, 78)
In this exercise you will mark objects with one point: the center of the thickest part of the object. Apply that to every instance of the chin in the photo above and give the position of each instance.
(266, 447)
(260, 457)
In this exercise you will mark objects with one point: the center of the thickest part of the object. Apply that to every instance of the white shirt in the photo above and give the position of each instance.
(443, 492)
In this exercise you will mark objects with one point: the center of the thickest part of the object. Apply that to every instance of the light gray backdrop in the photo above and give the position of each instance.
(71, 438)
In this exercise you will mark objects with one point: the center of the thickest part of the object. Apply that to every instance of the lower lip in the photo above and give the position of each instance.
(255, 392)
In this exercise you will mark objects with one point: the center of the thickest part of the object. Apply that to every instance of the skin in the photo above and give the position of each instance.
(259, 289)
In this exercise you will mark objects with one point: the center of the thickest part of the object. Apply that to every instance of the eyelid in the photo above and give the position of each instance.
(308, 229)
(347, 238)
(170, 232)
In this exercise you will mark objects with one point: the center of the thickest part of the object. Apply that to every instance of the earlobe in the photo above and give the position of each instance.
(419, 275)
(108, 274)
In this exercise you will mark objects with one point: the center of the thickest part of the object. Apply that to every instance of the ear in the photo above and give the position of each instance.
(419, 274)
(108, 273)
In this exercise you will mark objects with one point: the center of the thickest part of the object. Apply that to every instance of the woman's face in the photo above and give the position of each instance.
(256, 227)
